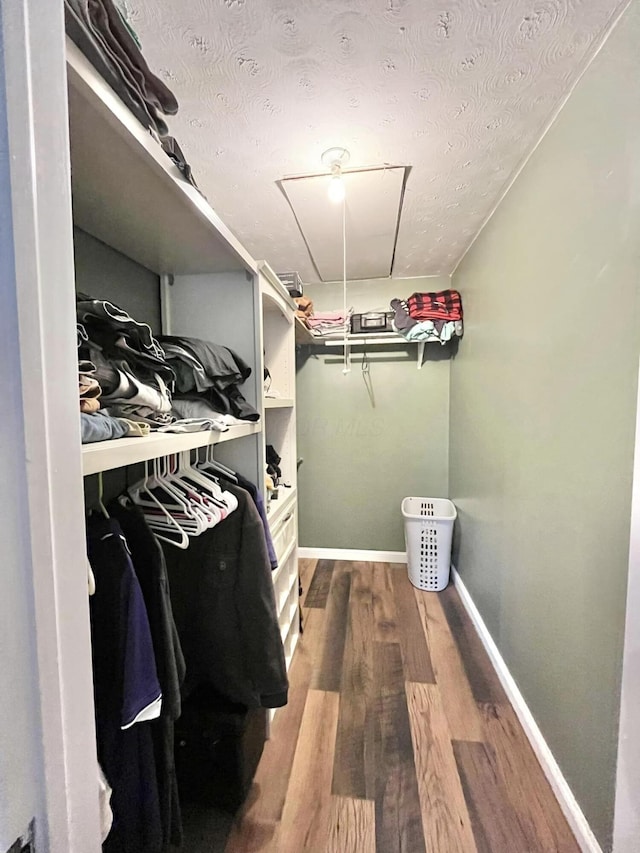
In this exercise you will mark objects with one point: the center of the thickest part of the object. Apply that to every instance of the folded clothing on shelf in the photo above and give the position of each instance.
(100, 30)
(88, 387)
(195, 408)
(122, 368)
(305, 308)
(444, 305)
(98, 426)
(433, 329)
(210, 373)
(126, 377)
(325, 323)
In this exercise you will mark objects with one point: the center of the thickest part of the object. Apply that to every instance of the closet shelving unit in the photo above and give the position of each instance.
(129, 195)
(279, 328)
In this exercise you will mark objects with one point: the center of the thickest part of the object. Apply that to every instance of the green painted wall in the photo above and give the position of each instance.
(543, 413)
(365, 448)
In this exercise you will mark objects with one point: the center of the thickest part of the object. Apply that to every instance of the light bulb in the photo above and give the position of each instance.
(336, 189)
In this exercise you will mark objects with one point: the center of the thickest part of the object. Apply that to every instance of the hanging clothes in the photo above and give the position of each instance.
(225, 611)
(126, 690)
(258, 500)
(150, 568)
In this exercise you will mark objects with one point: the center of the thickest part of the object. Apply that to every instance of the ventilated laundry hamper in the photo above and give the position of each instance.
(428, 531)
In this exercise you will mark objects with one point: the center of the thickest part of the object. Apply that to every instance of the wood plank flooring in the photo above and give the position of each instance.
(398, 736)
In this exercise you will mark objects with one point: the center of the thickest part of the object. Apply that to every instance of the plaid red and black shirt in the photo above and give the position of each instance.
(445, 305)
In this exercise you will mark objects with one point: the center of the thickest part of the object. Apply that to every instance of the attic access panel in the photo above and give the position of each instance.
(373, 206)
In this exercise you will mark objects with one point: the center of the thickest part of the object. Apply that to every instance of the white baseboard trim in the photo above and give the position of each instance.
(577, 821)
(352, 554)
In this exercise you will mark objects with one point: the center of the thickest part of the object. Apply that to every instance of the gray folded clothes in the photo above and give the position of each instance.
(195, 425)
(100, 427)
(92, 311)
(106, 18)
(81, 31)
(200, 409)
(402, 320)
(190, 373)
(99, 31)
(140, 414)
(218, 377)
(131, 391)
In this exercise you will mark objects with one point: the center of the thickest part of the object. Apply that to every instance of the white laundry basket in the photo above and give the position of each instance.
(428, 531)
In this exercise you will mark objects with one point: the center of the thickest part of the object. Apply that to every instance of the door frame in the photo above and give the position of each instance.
(32, 52)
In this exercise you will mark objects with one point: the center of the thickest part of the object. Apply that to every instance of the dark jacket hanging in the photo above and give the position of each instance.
(224, 606)
(151, 571)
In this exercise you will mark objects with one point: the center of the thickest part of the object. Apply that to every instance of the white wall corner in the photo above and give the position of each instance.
(626, 822)
(577, 821)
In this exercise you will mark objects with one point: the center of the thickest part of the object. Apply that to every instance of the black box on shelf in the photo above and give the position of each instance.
(292, 282)
(371, 322)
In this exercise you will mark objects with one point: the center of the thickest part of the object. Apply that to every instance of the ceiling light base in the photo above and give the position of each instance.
(336, 156)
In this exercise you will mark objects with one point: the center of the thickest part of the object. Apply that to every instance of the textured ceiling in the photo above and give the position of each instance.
(458, 90)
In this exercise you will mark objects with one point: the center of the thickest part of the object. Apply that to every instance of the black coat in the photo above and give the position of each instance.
(225, 611)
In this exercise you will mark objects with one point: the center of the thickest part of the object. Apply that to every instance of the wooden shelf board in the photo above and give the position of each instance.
(106, 455)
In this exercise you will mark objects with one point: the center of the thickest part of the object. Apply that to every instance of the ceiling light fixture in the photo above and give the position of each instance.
(334, 159)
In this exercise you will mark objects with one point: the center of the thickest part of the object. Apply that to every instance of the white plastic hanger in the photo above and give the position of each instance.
(209, 463)
(163, 523)
(207, 487)
(175, 500)
(101, 505)
(200, 504)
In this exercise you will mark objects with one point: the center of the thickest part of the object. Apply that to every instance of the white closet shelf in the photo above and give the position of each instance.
(385, 339)
(106, 455)
(281, 293)
(278, 403)
(129, 194)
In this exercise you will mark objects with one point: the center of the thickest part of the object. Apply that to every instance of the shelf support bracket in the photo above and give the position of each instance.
(420, 354)
(166, 283)
(347, 358)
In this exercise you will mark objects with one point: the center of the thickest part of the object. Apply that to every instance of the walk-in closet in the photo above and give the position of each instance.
(319, 325)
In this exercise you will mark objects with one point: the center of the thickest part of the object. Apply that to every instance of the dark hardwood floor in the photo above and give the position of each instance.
(398, 736)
